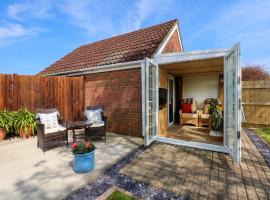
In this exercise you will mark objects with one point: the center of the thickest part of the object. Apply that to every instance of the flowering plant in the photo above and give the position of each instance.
(216, 112)
(82, 148)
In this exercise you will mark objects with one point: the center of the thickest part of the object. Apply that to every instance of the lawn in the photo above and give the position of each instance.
(117, 195)
(264, 133)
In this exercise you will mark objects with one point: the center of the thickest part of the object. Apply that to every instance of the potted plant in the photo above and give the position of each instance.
(24, 123)
(84, 157)
(5, 123)
(216, 112)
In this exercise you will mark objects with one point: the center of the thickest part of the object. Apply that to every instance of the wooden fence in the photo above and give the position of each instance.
(256, 102)
(65, 93)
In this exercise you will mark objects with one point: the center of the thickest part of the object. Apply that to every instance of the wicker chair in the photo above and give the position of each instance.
(189, 118)
(97, 131)
(49, 139)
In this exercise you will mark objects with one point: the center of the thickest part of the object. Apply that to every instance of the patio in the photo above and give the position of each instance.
(28, 173)
(198, 174)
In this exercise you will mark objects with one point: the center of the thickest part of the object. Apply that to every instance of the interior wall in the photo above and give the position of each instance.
(163, 113)
(197, 87)
(201, 87)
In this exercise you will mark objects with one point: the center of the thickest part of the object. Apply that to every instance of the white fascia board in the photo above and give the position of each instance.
(170, 58)
(197, 145)
(180, 38)
(98, 69)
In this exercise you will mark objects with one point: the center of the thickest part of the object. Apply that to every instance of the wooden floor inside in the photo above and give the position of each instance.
(192, 133)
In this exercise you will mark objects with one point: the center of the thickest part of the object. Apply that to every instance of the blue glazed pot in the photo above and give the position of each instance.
(83, 163)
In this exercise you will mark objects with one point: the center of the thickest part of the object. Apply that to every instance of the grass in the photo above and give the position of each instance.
(264, 133)
(117, 195)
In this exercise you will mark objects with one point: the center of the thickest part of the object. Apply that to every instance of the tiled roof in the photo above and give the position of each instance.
(123, 48)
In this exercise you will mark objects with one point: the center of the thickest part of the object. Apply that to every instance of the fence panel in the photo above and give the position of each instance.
(256, 102)
(32, 92)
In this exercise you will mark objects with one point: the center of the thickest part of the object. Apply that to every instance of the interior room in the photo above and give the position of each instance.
(191, 101)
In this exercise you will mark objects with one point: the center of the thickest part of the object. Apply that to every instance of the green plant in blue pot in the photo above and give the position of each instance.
(84, 157)
(24, 123)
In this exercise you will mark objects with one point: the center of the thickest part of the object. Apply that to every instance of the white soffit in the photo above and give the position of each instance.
(170, 58)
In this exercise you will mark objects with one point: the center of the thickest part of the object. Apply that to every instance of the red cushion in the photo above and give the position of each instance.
(186, 108)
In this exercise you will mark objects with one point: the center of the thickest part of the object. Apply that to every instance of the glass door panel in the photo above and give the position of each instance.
(151, 95)
(232, 106)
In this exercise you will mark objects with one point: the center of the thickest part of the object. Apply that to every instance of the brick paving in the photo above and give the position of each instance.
(199, 174)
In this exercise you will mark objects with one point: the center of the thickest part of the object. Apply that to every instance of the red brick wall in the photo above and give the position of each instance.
(119, 92)
(173, 45)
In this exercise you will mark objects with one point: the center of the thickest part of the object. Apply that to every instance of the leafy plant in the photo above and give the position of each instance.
(215, 110)
(24, 119)
(6, 120)
(82, 148)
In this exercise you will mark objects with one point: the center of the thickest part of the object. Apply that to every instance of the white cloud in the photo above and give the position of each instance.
(143, 10)
(244, 21)
(14, 30)
(96, 17)
(24, 10)
(11, 31)
(89, 16)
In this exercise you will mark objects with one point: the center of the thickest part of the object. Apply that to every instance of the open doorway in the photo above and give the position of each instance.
(171, 100)
(224, 65)
(191, 88)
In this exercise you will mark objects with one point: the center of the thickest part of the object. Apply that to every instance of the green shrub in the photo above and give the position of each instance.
(24, 119)
(6, 120)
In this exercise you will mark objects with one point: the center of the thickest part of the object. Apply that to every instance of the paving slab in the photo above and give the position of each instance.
(28, 173)
(199, 174)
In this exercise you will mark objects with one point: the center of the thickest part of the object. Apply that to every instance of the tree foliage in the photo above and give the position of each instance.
(254, 72)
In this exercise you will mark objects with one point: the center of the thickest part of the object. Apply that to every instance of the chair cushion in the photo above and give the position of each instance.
(187, 108)
(100, 124)
(50, 120)
(189, 115)
(93, 116)
(194, 107)
(205, 116)
(55, 129)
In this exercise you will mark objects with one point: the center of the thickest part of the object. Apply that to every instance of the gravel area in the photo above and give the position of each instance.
(262, 147)
(112, 178)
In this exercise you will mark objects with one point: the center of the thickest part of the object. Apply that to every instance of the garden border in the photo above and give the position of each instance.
(112, 178)
(262, 147)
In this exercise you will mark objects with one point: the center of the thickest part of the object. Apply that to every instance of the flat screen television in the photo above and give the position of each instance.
(162, 98)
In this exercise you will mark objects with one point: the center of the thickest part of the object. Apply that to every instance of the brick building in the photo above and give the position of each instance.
(112, 70)
(142, 79)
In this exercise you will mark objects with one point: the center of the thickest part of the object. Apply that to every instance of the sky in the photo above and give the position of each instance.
(36, 33)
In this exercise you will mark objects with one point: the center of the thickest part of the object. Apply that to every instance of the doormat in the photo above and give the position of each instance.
(112, 178)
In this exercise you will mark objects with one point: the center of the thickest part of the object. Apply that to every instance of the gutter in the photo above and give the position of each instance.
(102, 68)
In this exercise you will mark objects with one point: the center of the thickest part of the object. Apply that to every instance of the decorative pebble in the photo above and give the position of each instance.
(112, 178)
(262, 147)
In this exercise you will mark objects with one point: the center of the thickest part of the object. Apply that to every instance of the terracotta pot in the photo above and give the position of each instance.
(25, 132)
(3, 133)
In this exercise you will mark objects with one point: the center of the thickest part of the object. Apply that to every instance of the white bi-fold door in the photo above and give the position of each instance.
(150, 83)
(232, 104)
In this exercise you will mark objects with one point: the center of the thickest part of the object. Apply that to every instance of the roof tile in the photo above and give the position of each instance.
(123, 48)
